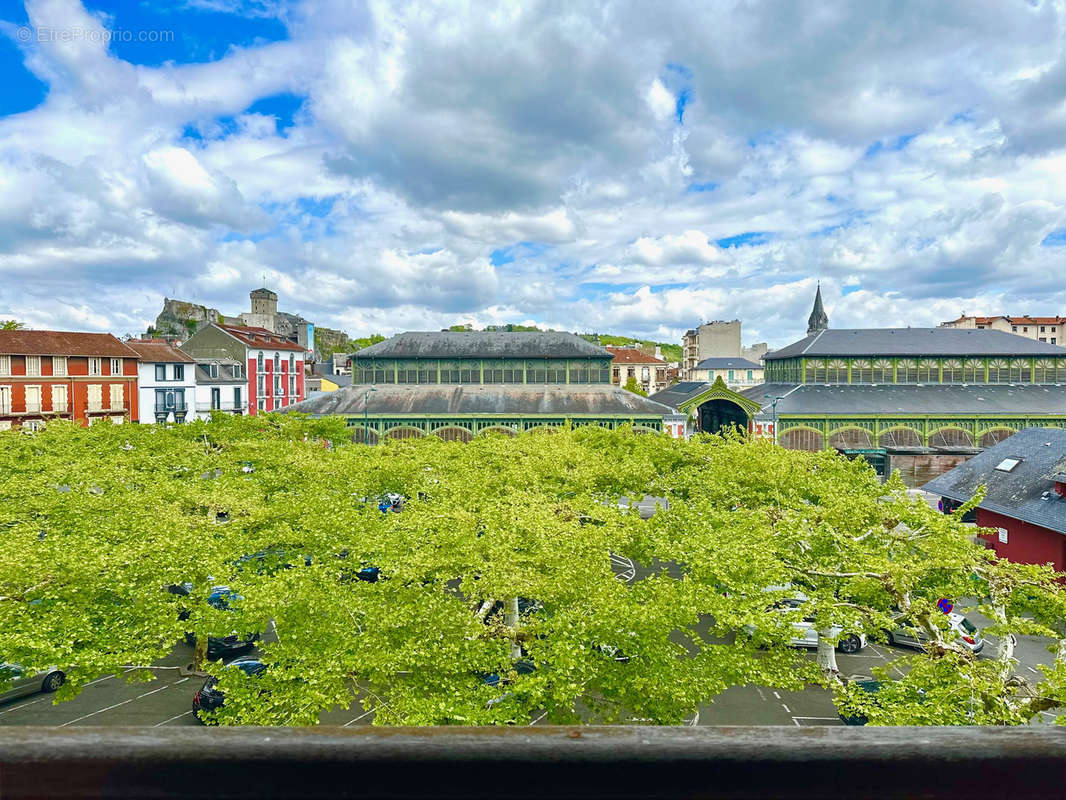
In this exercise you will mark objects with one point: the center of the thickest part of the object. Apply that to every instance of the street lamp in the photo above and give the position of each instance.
(366, 416)
(773, 408)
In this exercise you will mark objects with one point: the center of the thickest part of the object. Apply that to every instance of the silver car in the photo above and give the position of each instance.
(966, 631)
(16, 682)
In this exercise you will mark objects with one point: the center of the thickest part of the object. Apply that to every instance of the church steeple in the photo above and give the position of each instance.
(818, 320)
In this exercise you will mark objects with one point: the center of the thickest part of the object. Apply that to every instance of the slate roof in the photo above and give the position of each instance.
(728, 363)
(225, 375)
(890, 342)
(497, 398)
(891, 399)
(160, 352)
(1020, 493)
(259, 338)
(674, 395)
(484, 344)
(62, 343)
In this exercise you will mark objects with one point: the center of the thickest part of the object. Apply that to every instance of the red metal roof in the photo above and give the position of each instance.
(62, 343)
(159, 351)
(259, 338)
(630, 355)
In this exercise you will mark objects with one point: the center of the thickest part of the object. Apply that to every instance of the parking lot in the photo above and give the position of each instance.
(166, 700)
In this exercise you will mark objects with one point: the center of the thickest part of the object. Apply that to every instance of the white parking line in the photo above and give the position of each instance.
(365, 713)
(787, 709)
(538, 719)
(761, 695)
(777, 695)
(116, 705)
(49, 697)
(1032, 670)
(179, 716)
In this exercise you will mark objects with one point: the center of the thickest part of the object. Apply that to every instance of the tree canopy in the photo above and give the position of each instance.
(496, 600)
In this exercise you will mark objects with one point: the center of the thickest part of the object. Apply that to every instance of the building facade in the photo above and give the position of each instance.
(273, 367)
(718, 339)
(84, 377)
(457, 385)
(1025, 495)
(737, 373)
(647, 370)
(166, 380)
(1042, 329)
(221, 387)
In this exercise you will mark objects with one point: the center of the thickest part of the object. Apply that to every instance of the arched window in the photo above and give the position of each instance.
(928, 371)
(277, 362)
(953, 371)
(882, 371)
(861, 372)
(837, 372)
(906, 371)
(998, 371)
(259, 361)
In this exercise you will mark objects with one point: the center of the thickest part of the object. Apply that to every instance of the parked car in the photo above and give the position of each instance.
(909, 636)
(209, 697)
(20, 683)
(870, 687)
(217, 646)
(806, 634)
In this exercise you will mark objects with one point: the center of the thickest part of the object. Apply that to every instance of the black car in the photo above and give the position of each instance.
(217, 646)
(209, 697)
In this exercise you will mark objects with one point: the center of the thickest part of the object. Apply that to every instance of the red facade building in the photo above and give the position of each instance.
(1025, 498)
(85, 377)
(275, 366)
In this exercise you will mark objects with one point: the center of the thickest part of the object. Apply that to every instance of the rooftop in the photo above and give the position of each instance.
(1026, 491)
(728, 363)
(159, 352)
(503, 399)
(259, 338)
(914, 342)
(631, 355)
(62, 343)
(484, 344)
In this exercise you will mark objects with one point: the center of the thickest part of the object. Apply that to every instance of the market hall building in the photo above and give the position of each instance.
(457, 385)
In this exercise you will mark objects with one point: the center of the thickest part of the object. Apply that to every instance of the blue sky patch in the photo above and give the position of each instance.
(846, 290)
(889, 145)
(282, 107)
(680, 69)
(507, 255)
(684, 97)
(708, 186)
(1055, 238)
(154, 33)
(22, 89)
(743, 239)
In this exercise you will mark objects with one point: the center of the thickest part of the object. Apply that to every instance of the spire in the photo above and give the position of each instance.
(818, 321)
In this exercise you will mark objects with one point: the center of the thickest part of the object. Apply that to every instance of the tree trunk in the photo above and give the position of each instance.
(199, 653)
(827, 654)
(510, 619)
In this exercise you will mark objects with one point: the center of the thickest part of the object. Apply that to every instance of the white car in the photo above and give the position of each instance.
(907, 636)
(807, 633)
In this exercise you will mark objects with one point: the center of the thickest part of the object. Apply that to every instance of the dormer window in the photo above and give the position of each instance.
(1007, 464)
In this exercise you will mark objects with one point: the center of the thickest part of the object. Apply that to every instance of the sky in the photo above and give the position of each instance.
(621, 167)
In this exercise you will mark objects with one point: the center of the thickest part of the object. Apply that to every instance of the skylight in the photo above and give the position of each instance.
(1007, 464)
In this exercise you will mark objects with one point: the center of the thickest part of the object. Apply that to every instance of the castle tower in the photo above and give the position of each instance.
(818, 320)
(264, 302)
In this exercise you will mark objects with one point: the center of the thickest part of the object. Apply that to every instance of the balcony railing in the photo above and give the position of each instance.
(211, 407)
(109, 409)
(176, 407)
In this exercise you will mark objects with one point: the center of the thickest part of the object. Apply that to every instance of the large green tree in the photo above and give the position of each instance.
(500, 561)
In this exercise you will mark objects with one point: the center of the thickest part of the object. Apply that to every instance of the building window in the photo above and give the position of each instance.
(614, 374)
(1042, 329)
(1014, 328)
(116, 366)
(96, 366)
(750, 378)
(277, 362)
(33, 366)
(116, 396)
(216, 398)
(292, 385)
(5, 399)
(59, 399)
(33, 399)
(292, 362)
(237, 371)
(277, 384)
(262, 404)
(259, 387)
(731, 378)
(1025, 329)
(236, 398)
(5, 365)
(160, 372)
(33, 425)
(645, 374)
(259, 361)
(59, 365)
(96, 393)
(212, 370)
(179, 372)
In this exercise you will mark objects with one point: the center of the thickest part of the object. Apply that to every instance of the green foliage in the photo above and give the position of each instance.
(634, 387)
(11, 325)
(96, 522)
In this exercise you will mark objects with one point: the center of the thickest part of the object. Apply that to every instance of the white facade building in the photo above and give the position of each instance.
(166, 380)
(221, 385)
